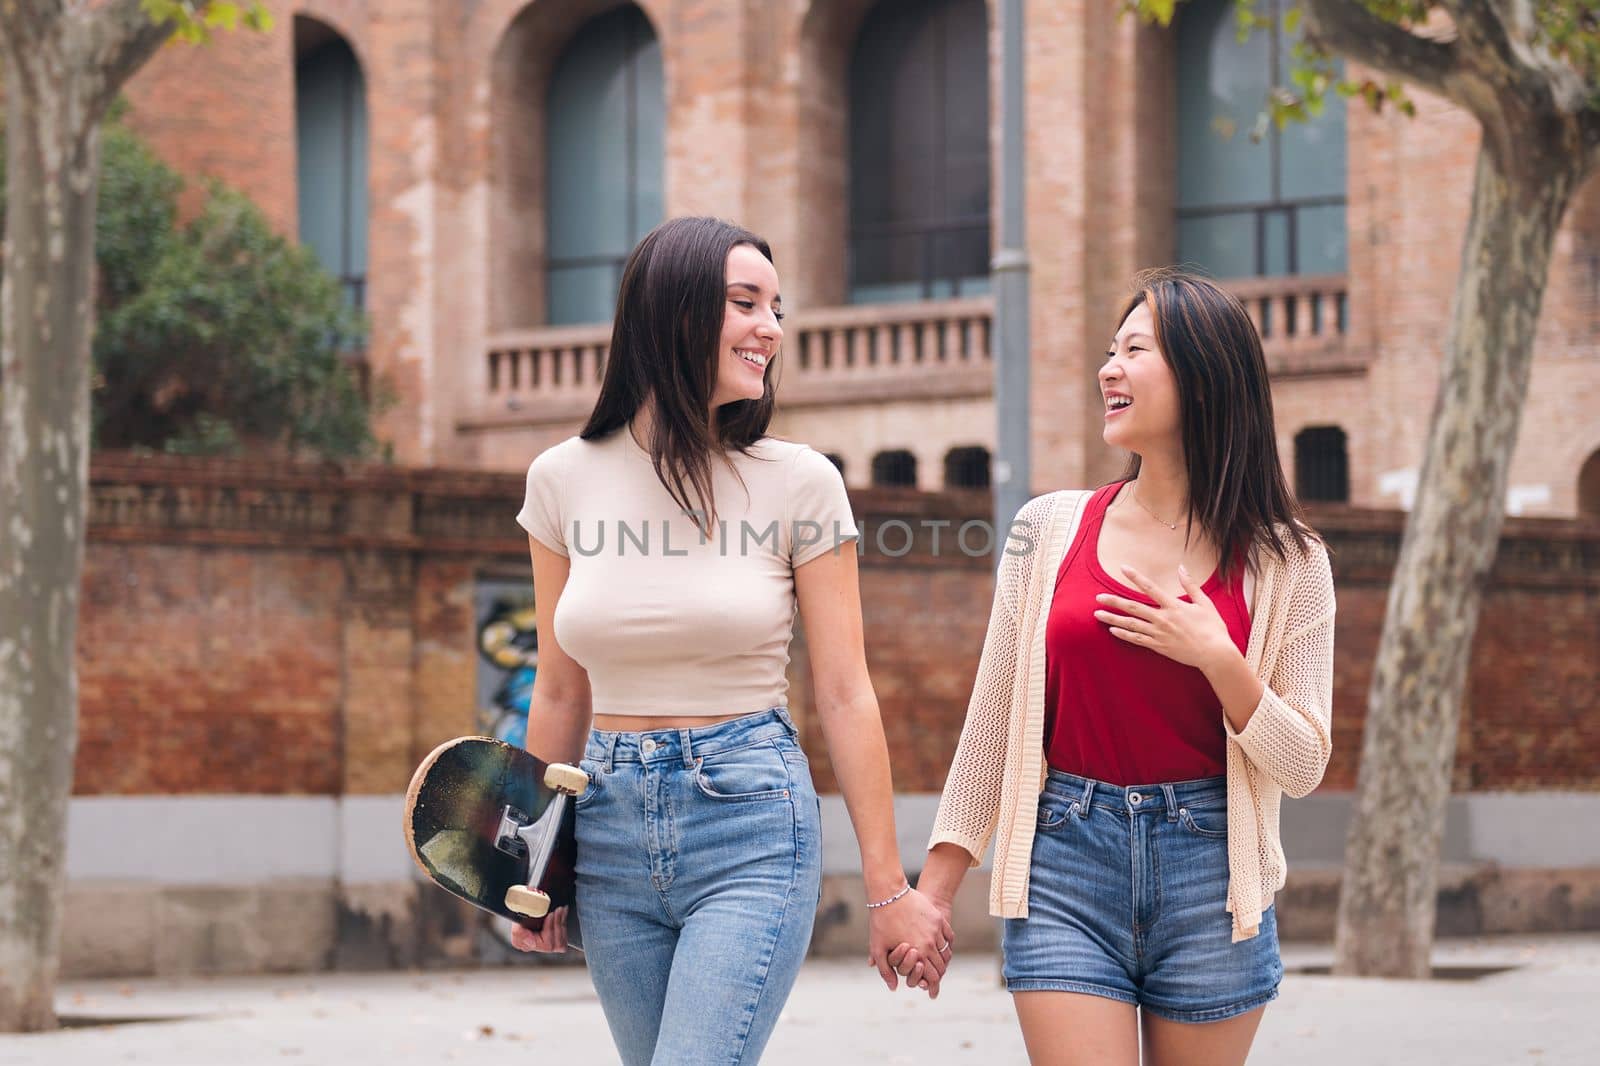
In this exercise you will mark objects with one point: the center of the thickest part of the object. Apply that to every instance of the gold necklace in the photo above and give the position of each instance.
(1133, 491)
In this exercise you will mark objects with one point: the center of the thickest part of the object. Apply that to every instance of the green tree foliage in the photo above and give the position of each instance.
(194, 21)
(214, 335)
(1572, 29)
(1315, 71)
(1568, 28)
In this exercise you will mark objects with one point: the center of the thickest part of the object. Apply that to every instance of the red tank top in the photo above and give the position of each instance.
(1120, 713)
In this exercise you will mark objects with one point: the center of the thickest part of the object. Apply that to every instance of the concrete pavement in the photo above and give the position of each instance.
(1512, 1000)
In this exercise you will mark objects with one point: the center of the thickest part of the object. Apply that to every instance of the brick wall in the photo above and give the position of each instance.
(209, 669)
(279, 629)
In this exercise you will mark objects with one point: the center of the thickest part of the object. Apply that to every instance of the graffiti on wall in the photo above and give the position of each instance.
(508, 657)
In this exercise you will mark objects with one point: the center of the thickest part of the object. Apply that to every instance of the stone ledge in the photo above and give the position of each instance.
(137, 499)
(126, 929)
(1474, 900)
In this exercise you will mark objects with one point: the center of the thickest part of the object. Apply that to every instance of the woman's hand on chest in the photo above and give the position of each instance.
(1190, 632)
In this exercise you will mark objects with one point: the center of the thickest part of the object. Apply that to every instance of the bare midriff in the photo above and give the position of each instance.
(645, 723)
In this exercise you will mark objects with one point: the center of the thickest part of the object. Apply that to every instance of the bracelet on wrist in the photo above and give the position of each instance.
(891, 899)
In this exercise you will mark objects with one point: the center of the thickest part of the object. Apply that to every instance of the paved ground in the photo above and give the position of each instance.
(1541, 1009)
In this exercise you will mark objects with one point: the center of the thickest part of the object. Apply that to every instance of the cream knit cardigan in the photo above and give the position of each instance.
(999, 766)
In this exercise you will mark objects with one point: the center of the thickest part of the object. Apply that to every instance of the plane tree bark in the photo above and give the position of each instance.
(1540, 131)
(64, 63)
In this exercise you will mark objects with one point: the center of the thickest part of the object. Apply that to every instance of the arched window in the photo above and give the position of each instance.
(919, 151)
(895, 468)
(966, 468)
(605, 152)
(1249, 208)
(1589, 487)
(330, 110)
(1322, 464)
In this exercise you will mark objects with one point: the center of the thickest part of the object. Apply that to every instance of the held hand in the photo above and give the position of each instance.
(917, 922)
(1191, 633)
(551, 939)
(906, 960)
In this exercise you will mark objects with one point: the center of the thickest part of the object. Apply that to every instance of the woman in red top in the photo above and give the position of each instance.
(1127, 933)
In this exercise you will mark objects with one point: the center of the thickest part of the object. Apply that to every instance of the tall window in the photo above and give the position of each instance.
(919, 152)
(966, 468)
(1322, 464)
(896, 468)
(605, 152)
(1248, 208)
(330, 105)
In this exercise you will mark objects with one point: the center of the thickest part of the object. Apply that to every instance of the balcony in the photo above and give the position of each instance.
(873, 353)
(1302, 321)
(842, 355)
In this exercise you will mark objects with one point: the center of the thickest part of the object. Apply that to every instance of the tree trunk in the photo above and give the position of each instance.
(1386, 907)
(53, 181)
(62, 66)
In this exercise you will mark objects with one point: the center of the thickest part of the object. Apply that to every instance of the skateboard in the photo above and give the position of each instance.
(493, 825)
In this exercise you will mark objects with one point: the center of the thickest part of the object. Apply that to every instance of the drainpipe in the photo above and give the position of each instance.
(1011, 475)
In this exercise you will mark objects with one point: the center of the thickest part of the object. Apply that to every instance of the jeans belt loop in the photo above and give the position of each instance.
(1172, 802)
(788, 722)
(1086, 798)
(687, 749)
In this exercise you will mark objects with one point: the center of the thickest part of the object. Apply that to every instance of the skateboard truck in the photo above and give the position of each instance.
(507, 838)
(521, 836)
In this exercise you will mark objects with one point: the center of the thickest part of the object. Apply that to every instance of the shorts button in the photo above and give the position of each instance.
(647, 746)
(1135, 798)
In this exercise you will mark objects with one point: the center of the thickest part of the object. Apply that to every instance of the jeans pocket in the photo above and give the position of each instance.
(586, 797)
(1212, 825)
(747, 775)
(1055, 812)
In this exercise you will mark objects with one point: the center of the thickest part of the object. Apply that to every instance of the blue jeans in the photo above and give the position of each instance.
(1127, 900)
(699, 875)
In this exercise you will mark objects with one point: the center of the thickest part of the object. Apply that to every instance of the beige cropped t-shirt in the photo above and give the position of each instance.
(665, 619)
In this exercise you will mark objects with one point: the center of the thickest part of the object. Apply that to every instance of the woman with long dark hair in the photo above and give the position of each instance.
(672, 543)
(1135, 722)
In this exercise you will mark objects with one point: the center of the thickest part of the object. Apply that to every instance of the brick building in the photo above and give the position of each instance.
(267, 651)
(477, 171)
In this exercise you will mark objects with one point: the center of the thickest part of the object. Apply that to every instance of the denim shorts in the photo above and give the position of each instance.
(699, 875)
(1127, 899)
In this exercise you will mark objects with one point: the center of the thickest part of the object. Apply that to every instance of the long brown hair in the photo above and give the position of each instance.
(665, 348)
(1237, 491)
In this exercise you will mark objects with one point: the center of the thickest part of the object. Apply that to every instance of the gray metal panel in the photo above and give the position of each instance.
(371, 850)
(1534, 828)
(202, 840)
(232, 840)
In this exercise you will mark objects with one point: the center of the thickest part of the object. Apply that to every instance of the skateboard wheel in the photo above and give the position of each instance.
(520, 899)
(564, 778)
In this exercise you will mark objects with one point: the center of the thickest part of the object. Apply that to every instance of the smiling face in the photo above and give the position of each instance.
(751, 327)
(1140, 393)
